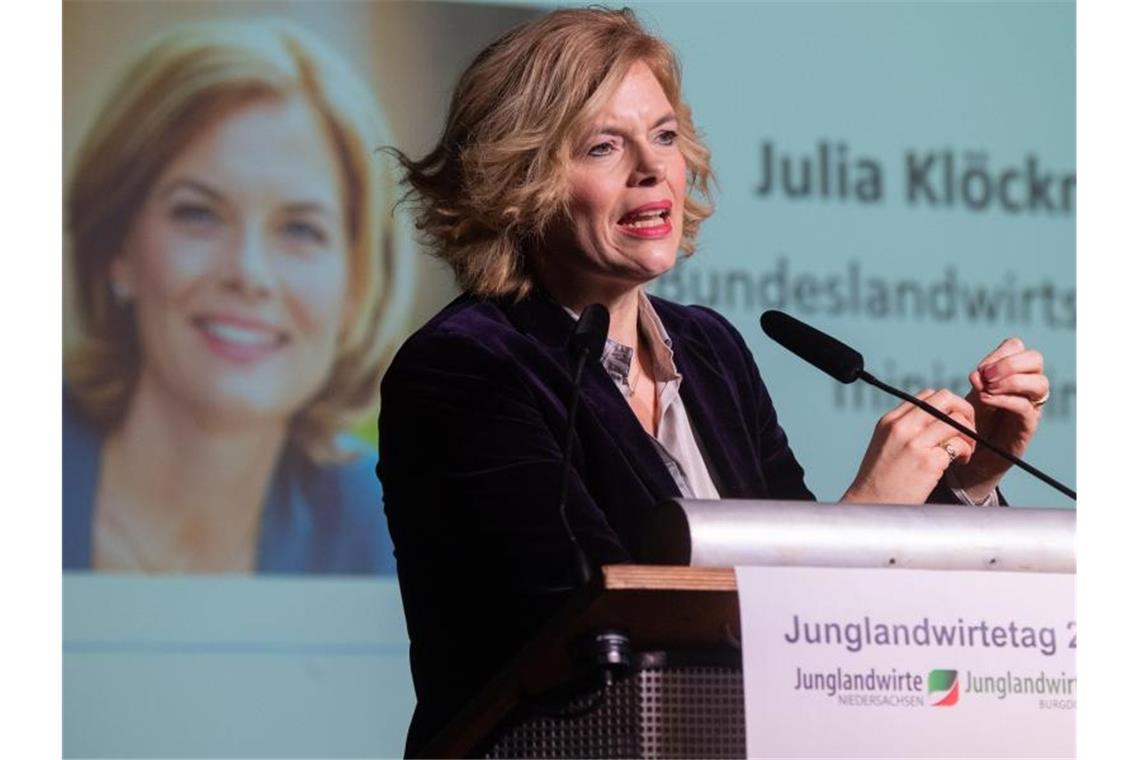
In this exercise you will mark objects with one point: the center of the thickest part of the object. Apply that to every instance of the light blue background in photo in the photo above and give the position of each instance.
(234, 667)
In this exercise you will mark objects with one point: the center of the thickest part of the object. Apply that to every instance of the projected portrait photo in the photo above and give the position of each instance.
(231, 265)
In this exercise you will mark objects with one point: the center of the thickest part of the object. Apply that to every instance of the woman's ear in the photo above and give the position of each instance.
(121, 281)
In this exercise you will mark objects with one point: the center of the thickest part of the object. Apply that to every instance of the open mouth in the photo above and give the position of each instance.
(644, 220)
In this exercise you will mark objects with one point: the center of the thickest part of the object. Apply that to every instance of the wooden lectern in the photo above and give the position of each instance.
(676, 689)
(685, 623)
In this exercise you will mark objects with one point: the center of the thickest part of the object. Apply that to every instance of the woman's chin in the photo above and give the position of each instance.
(658, 263)
(242, 407)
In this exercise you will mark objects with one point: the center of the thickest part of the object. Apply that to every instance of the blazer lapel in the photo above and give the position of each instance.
(549, 323)
(603, 399)
(715, 414)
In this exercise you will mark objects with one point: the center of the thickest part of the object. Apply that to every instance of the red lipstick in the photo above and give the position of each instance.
(651, 220)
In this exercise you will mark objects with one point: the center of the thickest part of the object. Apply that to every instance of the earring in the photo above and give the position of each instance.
(121, 292)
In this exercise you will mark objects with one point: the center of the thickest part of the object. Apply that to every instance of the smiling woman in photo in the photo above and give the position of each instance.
(231, 278)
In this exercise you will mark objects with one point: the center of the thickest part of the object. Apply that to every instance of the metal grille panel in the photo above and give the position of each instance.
(669, 712)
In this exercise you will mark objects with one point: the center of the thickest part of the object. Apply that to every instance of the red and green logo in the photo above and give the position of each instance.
(942, 686)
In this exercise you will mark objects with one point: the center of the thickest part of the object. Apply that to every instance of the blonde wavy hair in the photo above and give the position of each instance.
(167, 96)
(490, 188)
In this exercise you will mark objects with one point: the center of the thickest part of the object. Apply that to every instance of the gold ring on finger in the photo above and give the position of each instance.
(950, 451)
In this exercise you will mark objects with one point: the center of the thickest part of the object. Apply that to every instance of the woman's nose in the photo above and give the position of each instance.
(249, 268)
(648, 171)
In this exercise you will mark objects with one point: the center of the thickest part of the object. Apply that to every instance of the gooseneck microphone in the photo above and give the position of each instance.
(845, 364)
(837, 359)
(586, 343)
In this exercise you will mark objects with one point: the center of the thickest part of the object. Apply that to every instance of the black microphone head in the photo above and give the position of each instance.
(828, 354)
(589, 336)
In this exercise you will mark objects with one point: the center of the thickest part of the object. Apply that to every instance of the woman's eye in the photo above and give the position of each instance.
(305, 232)
(667, 137)
(194, 213)
(601, 149)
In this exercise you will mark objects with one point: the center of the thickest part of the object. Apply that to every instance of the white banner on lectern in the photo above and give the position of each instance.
(850, 663)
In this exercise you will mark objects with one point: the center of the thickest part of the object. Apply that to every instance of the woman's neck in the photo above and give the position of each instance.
(181, 493)
(621, 301)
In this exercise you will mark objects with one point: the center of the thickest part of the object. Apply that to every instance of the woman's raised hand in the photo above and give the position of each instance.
(1009, 387)
(910, 450)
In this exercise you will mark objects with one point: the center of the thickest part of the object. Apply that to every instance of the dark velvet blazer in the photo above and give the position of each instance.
(474, 410)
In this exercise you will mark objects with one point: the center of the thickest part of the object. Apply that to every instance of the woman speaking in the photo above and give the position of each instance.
(570, 173)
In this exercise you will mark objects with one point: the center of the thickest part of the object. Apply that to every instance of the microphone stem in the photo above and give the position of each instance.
(869, 378)
(581, 563)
